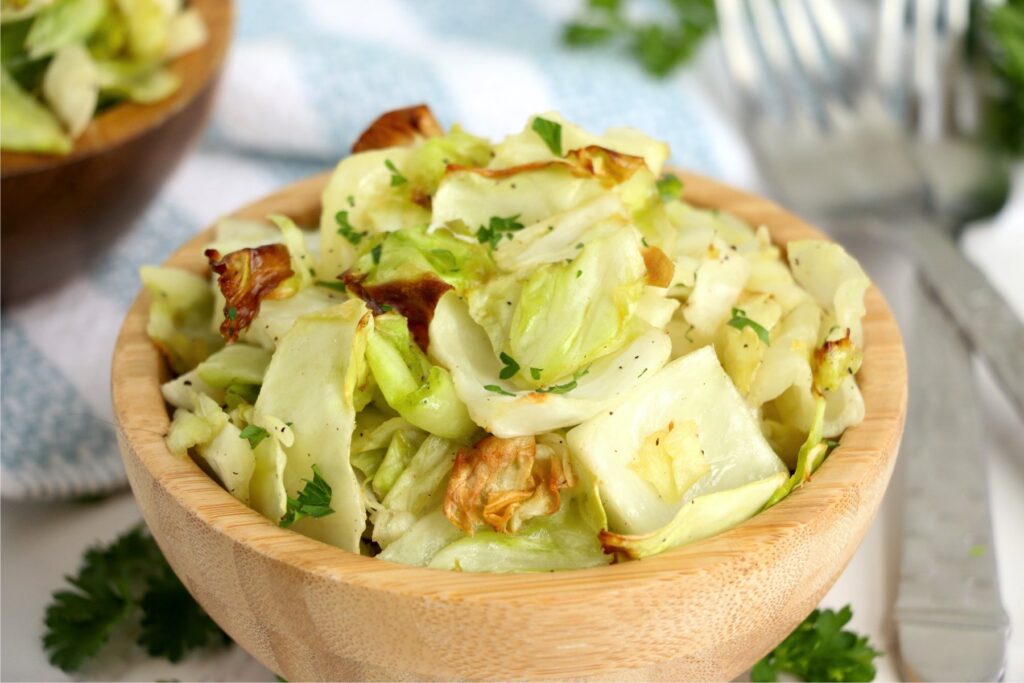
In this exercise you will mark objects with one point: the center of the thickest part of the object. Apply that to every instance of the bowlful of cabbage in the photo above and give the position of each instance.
(62, 59)
(396, 336)
(525, 356)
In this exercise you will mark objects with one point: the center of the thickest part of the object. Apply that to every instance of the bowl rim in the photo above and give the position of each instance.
(865, 450)
(125, 121)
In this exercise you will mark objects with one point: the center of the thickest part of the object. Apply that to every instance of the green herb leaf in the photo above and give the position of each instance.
(331, 284)
(740, 320)
(535, 372)
(232, 313)
(498, 226)
(669, 187)
(253, 434)
(550, 132)
(511, 366)
(314, 500)
(396, 177)
(114, 585)
(820, 650)
(346, 230)
(172, 622)
(351, 201)
(375, 253)
(494, 388)
(568, 386)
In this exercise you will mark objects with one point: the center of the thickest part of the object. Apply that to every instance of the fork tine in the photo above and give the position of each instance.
(814, 56)
(889, 50)
(740, 58)
(926, 69)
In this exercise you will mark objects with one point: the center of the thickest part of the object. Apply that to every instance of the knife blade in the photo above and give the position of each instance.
(951, 623)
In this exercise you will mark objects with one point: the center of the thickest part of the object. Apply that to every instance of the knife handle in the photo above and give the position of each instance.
(983, 315)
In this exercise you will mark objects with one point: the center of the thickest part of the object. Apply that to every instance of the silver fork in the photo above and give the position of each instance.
(829, 147)
(828, 143)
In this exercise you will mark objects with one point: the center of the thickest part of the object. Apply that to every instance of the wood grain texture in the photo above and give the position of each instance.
(60, 211)
(705, 611)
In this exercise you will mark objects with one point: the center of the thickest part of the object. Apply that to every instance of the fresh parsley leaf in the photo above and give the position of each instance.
(568, 386)
(112, 591)
(375, 253)
(535, 372)
(172, 622)
(314, 500)
(330, 284)
(396, 177)
(550, 132)
(494, 388)
(511, 366)
(658, 47)
(669, 187)
(79, 621)
(253, 434)
(820, 650)
(232, 313)
(740, 320)
(578, 274)
(346, 230)
(497, 227)
(351, 201)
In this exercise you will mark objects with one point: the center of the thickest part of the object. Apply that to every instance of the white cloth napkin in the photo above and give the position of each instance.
(303, 79)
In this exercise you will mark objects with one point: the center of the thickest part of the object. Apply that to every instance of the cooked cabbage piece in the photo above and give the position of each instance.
(64, 58)
(526, 356)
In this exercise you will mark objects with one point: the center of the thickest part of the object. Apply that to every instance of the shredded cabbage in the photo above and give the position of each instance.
(531, 356)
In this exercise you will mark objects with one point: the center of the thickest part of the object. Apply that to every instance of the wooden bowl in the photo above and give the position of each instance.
(60, 211)
(706, 611)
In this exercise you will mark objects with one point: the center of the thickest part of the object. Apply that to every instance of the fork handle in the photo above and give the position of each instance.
(979, 310)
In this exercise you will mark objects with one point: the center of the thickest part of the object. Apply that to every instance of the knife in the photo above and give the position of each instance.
(951, 623)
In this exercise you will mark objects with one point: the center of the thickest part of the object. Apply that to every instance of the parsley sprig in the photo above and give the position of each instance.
(820, 650)
(659, 47)
(740, 320)
(511, 367)
(497, 227)
(253, 433)
(346, 230)
(396, 177)
(314, 500)
(127, 581)
(550, 132)
(568, 386)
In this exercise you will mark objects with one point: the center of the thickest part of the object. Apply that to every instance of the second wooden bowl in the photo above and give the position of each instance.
(705, 611)
(60, 211)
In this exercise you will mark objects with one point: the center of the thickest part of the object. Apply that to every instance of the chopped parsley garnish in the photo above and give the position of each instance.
(396, 177)
(740, 320)
(535, 372)
(669, 187)
(232, 313)
(314, 500)
(375, 253)
(346, 230)
(578, 273)
(330, 284)
(497, 227)
(253, 434)
(568, 386)
(351, 201)
(495, 389)
(643, 241)
(551, 133)
(511, 366)
(820, 650)
(127, 581)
